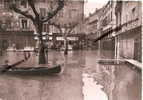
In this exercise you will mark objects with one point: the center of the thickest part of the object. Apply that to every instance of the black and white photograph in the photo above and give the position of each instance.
(71, 49)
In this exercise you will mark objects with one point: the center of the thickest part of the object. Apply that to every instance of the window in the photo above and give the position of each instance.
(45, 28)
(24, 23)
(24, 3)
(105, 21)
(118, 19)
(6, 3)
(61, 13)
(42, 12)
(72, 13)
(133, 12)
(111, 15)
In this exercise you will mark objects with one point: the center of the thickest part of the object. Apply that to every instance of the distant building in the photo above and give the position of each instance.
(108, 23)
(11, 21)
(99, 23)
(92, 27)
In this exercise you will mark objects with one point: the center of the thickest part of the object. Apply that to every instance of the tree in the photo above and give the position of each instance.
(65, 30)
(39, 20)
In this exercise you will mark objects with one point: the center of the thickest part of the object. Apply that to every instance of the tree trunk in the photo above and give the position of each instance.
(42, 54)
(66, 46)
(42, 57)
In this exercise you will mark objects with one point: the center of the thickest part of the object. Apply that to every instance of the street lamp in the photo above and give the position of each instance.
(44, 38)
(113, 34)
(63, 30)
(7, 14)
(36, 38)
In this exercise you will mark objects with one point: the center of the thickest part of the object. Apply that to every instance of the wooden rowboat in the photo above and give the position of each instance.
(34, 70)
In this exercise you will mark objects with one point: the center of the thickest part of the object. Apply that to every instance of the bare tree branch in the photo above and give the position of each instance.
(58, 26)
(54, 12)
(68, 28)
(72, 27)
(24, 13)
(32, 5)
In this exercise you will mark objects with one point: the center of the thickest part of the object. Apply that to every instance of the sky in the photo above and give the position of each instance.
(91, 5)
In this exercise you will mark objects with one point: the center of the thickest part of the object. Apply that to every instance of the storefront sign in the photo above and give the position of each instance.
(69, 38)
(59, 38)
(73, 38)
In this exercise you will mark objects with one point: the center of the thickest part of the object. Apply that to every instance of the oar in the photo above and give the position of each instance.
(10, 66)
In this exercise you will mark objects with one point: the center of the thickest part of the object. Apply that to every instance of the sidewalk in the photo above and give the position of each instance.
(119, 61)
(134, 62)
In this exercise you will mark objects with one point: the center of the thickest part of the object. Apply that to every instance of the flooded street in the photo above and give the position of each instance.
(92, 90)
(67, 86)
(82, 79)
(119, 81)
(71, 49)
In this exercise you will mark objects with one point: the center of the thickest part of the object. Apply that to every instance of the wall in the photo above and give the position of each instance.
(130, 37)
(19, 38)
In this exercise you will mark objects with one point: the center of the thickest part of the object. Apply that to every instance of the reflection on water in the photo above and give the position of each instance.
(92, 90)
(128, 84)
(120, 82)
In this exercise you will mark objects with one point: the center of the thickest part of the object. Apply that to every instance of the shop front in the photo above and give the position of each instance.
(56, 41)
(130, 44)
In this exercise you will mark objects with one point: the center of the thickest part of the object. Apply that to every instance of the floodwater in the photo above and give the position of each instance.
(92, 90)
(118, 81)
(82, 79)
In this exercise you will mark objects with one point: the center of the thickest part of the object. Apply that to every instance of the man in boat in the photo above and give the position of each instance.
(26, 55)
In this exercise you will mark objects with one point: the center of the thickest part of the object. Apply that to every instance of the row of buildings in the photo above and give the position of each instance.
(15, 27)
(118, 28)
(120, 23)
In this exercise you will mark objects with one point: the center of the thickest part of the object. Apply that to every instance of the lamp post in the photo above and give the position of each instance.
(116, 46)
(65, 41)
(44, 37)
(99, 44)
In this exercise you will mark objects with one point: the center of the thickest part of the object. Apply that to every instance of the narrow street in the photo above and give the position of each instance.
(71, 49)
(118, 82)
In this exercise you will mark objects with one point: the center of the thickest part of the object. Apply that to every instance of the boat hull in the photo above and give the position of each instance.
(34, 71)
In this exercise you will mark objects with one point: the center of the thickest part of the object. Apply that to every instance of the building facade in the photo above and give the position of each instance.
(11, 21)
(129, 21)
(108, 23)
(92, 28)
(99, 23)
(72, 13)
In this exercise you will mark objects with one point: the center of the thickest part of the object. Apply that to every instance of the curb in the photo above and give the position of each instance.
(136, 64)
